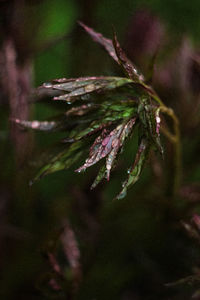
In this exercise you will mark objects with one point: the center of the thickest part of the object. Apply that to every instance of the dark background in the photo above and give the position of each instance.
(127, 249)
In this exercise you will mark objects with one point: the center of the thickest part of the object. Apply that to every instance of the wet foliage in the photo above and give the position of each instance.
(104, 111)
(64, 237)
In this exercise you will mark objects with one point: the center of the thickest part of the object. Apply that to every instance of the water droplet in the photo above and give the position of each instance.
(158, 119)
(129, 171)
(47, 85)
(105, 141)
(35, 124)
(121, 195)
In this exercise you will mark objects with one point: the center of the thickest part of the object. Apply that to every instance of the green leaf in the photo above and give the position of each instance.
(149, 117)
(135, 171)
(73, 89)
(103, 120)
(100, 176)
(92, 129)
(63, 160)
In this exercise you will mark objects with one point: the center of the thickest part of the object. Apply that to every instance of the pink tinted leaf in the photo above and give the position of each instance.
(117, 144)
(129, 68)
(99, 38)
(37, 125)
(101, 147)
(115, 51)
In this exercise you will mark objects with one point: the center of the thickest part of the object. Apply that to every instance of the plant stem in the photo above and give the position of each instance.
(177, 147)
(152, 92)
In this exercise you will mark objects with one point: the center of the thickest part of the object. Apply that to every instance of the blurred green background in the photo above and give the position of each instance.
(131, 248)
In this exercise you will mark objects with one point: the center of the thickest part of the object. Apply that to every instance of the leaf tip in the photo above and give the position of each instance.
(79, 170)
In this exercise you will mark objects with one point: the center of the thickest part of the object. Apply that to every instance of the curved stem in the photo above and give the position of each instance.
(168, 134)
(175, 139)
(152, 93)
